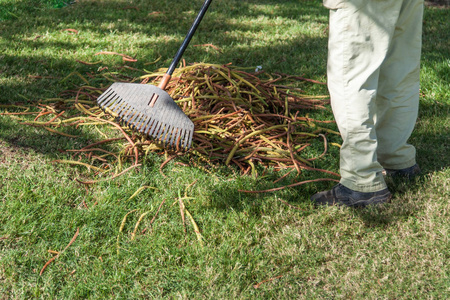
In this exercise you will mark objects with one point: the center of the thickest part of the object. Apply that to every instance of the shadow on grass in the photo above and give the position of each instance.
(39, 140)
(431, 137)
(403, 205)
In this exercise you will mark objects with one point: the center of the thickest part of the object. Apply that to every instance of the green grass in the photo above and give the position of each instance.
(398, 251)
(14, 10)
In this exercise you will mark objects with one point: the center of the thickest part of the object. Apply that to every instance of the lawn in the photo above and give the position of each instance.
(128, 238)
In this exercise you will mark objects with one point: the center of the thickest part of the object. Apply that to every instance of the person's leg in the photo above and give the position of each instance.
(359, 39)
(398, 90)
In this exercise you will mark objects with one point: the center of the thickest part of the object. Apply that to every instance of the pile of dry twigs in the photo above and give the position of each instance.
(240, 118)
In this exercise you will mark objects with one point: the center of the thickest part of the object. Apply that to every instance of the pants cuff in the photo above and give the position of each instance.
(401, 166)
(376, 186)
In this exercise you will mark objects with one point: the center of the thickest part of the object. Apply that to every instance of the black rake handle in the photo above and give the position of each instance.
(188, 37)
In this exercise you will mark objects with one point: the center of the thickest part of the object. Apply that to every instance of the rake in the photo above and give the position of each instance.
(149, 109)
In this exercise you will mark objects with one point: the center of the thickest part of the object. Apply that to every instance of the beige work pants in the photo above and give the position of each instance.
(374, 52)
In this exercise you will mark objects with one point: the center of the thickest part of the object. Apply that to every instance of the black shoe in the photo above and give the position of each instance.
(407, 173)
(341, 195)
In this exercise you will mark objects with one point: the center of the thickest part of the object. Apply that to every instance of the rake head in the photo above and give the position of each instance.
(162, 120)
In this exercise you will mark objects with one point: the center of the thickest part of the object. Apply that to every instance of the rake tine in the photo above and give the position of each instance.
(167, 133)
(115, 105)
(148, 126)
(178, 139)
(191, 134)
(109, 89)
(143, 123)
(111, 99)
(159, 126)
(161, 130)
(129, 124)
(173, 135)
(136, 117)
(106, 101)
(103, 97)
(162, 133)
(140, 122)
(155, 128)
(134, 121)
(186, 139)
(121, 116)
(181, 138)
(122, 100)
(170, 119)
(124, 110)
